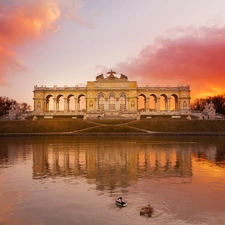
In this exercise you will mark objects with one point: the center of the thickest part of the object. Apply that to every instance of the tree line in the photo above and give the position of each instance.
(5, 104)
(217, 100)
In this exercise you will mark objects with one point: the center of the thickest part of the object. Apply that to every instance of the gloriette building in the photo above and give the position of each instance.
(112, 96)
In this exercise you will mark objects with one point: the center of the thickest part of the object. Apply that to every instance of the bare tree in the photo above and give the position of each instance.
(218, 101)
(24, 107)
(5, 104)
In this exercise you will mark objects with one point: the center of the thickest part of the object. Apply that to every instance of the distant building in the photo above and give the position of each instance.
(112, 96)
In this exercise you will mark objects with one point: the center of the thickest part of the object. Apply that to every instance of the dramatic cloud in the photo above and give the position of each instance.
(25, 20)
(185, 56)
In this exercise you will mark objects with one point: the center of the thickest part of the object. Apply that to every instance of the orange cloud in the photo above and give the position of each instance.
(25, 20)
(193, 56)
(20, 22)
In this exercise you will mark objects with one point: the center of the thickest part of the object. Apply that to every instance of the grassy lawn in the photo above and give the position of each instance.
(43, 125)
(174, 125)
(156, 124)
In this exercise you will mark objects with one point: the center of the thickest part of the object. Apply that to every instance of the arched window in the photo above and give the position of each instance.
(101, 101)
(122, 101)
(112, 101)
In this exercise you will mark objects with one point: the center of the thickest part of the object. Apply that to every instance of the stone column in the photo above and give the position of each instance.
(57, 105)
(76, 105)
(155, 100)
(147, 104)
(169, 104)
(158, 105)
(65, 105)
(166, 104)
(54, 104)
(44, 106)
(68, 105)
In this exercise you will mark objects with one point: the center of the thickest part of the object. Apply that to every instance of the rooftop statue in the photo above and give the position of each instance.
(123, 77)
(111, 74)
(100, 77)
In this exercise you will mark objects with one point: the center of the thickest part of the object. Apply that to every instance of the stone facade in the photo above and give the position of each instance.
(112, 96)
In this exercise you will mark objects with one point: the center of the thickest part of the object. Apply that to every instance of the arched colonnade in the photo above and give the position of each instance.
(112, 96)
(103, 101)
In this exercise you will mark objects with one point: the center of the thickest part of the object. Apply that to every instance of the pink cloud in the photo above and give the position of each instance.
(193, 56)
(22, 21)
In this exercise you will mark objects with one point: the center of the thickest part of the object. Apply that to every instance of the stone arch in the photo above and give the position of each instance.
(141, 102)
(152, 102)
(49, 103)
(163, 102)
(60, 103)
(71, 103)
(82, 102)
(174, 102)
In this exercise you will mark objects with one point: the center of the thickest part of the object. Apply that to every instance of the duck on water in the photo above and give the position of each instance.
(120, 202)
(147, 210)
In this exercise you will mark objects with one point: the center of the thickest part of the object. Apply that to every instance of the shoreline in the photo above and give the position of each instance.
(102, 134)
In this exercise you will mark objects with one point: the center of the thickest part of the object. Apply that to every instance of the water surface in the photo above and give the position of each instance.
(71, 180)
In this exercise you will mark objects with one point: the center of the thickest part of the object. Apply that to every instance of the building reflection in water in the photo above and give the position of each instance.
(211, 154)
(112, 164)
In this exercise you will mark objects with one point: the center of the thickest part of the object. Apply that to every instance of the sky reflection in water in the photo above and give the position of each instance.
(68, 180)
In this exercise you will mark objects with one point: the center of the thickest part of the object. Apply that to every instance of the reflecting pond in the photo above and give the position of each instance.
(76, 180)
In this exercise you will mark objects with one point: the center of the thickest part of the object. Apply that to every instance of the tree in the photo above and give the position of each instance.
(198, 104)
(24, 107)
(218, 101)
(5, 104)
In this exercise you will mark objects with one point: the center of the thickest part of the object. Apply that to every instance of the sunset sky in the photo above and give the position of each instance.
(70, 42)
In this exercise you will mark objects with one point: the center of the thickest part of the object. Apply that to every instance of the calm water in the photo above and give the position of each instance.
(70, 180)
